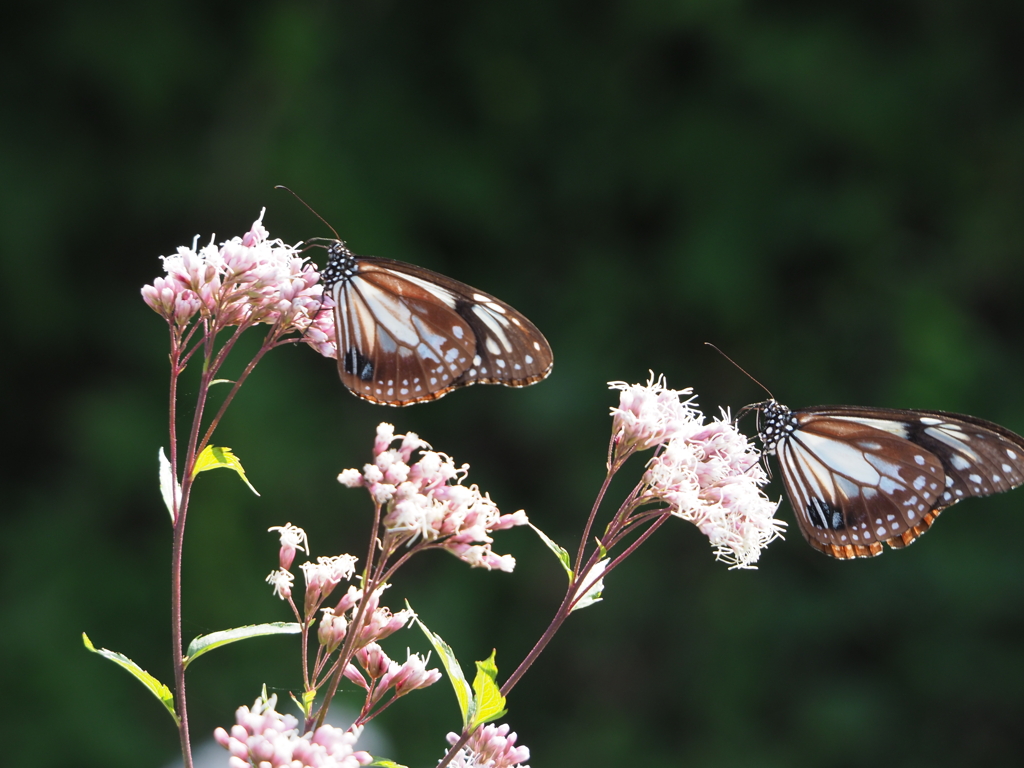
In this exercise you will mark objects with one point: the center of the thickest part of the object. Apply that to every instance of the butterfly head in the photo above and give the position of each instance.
(341, 265)
(779, 422)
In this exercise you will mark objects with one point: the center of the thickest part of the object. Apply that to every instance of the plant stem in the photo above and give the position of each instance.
(590, 520)
(179, 505)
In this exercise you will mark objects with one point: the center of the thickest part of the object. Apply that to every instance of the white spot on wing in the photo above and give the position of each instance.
(959, 462)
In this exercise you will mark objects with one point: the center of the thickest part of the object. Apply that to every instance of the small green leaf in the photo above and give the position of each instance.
(561, 554)
(221, 381)
(214, 457)
(592, 587)
(204, 643)
(167, 484)
(455, 674)
(385, 763)
(158, 689)
(490, 704)
(601, 551)
(305, 704)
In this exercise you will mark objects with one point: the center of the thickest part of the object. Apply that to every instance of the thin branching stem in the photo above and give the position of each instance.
(354, 629)
(593, 515)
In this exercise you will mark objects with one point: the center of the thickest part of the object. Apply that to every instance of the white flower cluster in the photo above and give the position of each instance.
(708, 474)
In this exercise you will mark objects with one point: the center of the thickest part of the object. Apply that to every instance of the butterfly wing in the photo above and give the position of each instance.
(407, 335)
(860, 477)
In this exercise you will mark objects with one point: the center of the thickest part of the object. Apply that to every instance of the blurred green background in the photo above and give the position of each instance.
(831, 192)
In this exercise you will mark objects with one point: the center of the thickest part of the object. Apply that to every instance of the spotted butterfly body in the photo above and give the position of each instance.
(406, 334)
(861, 477)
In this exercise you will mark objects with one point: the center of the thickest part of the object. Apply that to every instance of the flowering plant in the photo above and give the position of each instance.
(703, 472)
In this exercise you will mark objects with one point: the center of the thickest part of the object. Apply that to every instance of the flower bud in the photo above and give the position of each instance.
(373, 659)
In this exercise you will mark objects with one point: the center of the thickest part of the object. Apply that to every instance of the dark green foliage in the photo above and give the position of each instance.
(831, 192)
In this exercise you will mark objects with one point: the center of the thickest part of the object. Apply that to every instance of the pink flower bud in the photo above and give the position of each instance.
(373, 659)
(412, 675)
(352, 673)
(385, 435)
(348, 600)
(331, 631)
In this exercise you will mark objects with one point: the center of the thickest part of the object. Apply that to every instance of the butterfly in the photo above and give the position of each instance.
(858, 478)
(406, 334)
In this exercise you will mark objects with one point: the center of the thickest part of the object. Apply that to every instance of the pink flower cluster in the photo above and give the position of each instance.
(247, 280)
(648, 416)
(708, 474)
(264, 738)
(386, 674)
(321, 578)
(424, 504)
(492, 746)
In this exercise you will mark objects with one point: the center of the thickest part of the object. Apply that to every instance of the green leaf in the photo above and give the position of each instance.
(490, 704)
(167, 484)
(561, 554)
(158, 689)
(305, 704)
(455, 674)
(385, 763)
(214, 457)
(205, 643)
(592, 587)
(221, 381)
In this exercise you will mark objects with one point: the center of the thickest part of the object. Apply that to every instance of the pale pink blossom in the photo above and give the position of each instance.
(323, 576)
(407, 677)
(490, 746)
(263, 737)
(292, 538)
(649, 415)
(710, 475)
(320, 334)
(282, 582)
(351, 597)
(380, 622)
(427, 501)
(246, 280)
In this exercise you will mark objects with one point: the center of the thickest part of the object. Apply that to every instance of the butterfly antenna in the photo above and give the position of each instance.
(744, 370)
(336, 235)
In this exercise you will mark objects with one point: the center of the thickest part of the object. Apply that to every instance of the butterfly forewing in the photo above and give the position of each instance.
(979, 458)
(407, 334)
(860, 477)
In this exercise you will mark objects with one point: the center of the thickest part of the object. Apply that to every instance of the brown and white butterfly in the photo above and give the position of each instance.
(406, 334)
(861, 477)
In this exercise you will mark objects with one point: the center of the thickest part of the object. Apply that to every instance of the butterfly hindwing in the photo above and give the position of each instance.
(861, 477)
(397, 342)
(406, 334)
(854, 485)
